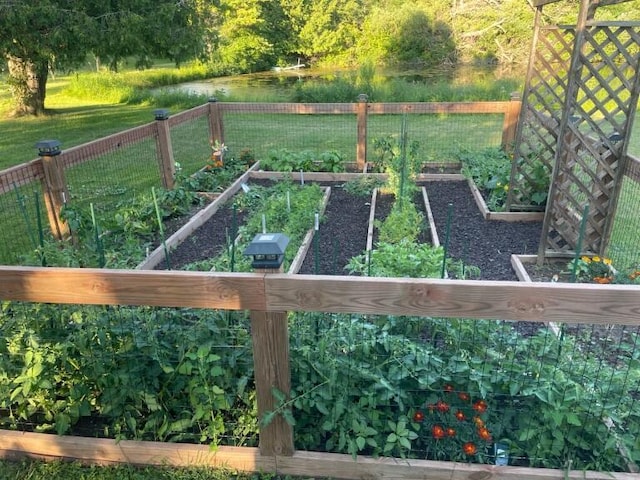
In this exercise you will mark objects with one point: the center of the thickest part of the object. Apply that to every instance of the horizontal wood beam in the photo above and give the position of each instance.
(20, 175)
(439, 107)
(289, 108)
(535, 302)
(101, 451)
(91, 286)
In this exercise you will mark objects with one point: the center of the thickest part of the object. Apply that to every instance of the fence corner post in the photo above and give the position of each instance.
(216, 124)
(165, 150)
(54, 186)
(361, 148)
(270, 338)
(510, 124)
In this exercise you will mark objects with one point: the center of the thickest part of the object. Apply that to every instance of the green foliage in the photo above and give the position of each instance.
(404, 258)
(490, 170)
(61, 470)
(404, 223)
(307, 161)
(363, 186)
(155, 374)
(287, 208)
(398, 378)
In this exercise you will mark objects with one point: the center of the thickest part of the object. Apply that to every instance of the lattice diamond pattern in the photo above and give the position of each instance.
(589, 158)
(542, 109)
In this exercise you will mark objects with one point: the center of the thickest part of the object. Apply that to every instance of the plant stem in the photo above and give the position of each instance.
(96, 233)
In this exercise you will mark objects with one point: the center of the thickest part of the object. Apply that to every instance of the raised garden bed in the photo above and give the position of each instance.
(346, 229)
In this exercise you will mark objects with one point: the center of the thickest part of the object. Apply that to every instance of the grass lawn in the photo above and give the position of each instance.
(37, 470)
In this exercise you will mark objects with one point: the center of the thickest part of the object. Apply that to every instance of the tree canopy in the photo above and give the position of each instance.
(38, 35)
(237, 36)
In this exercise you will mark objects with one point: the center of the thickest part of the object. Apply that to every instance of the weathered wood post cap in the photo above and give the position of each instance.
(48, 148)
(161, 114)
(267, 250)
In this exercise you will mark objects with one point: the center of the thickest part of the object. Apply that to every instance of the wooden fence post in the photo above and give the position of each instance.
(54, 186)
(361, 149)
(270, 337)
(510, 124)
(165, 150)
(216, 125)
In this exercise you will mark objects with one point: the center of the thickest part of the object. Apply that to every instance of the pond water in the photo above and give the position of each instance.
(254, 86)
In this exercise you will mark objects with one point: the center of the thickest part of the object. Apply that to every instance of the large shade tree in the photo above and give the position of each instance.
(38, 35)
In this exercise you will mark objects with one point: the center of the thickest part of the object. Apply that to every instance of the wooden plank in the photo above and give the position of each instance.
(632, 168)
(89, 151)
(289, 108)
(438, 108)
(229, 291)
(306, 242)
(188, 115)
(102, 451)
(372, 214)
(313, 176)
(331, 465)
(20, 175)
(361, 142)
(502, 216)
(433, 231)
(197, 221)
(537, 302)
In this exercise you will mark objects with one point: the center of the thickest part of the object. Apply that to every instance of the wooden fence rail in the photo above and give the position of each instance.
(160, 130)
(268, 296)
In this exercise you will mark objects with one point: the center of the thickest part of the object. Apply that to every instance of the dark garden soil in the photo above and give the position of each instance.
(485, 244)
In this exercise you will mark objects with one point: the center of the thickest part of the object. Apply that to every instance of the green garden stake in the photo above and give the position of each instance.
(446, 240)
(160, 227)
(316, 246)
(334, 260)
(96, 234)
(23, 209)
(403, 158)
(583, 227)
(43, 260)
(234, 228)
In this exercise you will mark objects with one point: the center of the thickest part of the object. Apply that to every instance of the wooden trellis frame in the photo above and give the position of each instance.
(580, 100)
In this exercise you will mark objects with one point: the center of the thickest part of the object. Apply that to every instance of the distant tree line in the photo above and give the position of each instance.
(237, 36)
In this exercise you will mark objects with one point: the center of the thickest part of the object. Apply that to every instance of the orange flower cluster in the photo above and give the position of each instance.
(455, 420)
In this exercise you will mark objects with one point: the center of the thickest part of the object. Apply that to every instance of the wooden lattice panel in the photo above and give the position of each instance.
(602, 103)
(540, 116)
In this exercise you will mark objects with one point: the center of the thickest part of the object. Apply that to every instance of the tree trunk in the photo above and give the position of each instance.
(28, 83)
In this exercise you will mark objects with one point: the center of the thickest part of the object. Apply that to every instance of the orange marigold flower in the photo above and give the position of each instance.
(478, 421)
(451, 432)
(418, 416)
(469, 448)
(480, 406)
(448, 388)
(602, 280)
(442, 407)
(463, 396)
(484, 434)
(438, 432)
(460, 415)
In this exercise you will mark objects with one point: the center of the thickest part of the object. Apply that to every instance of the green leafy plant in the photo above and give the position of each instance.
(363, 186)
(401, 259)
(287, 161)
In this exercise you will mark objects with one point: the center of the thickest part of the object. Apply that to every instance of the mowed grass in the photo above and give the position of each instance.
(38, 470)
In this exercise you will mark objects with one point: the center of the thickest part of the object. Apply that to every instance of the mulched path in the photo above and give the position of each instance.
(343, 233)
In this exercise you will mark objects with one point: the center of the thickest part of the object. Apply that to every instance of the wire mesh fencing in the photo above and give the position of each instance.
(175, 375)
(485, 391)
